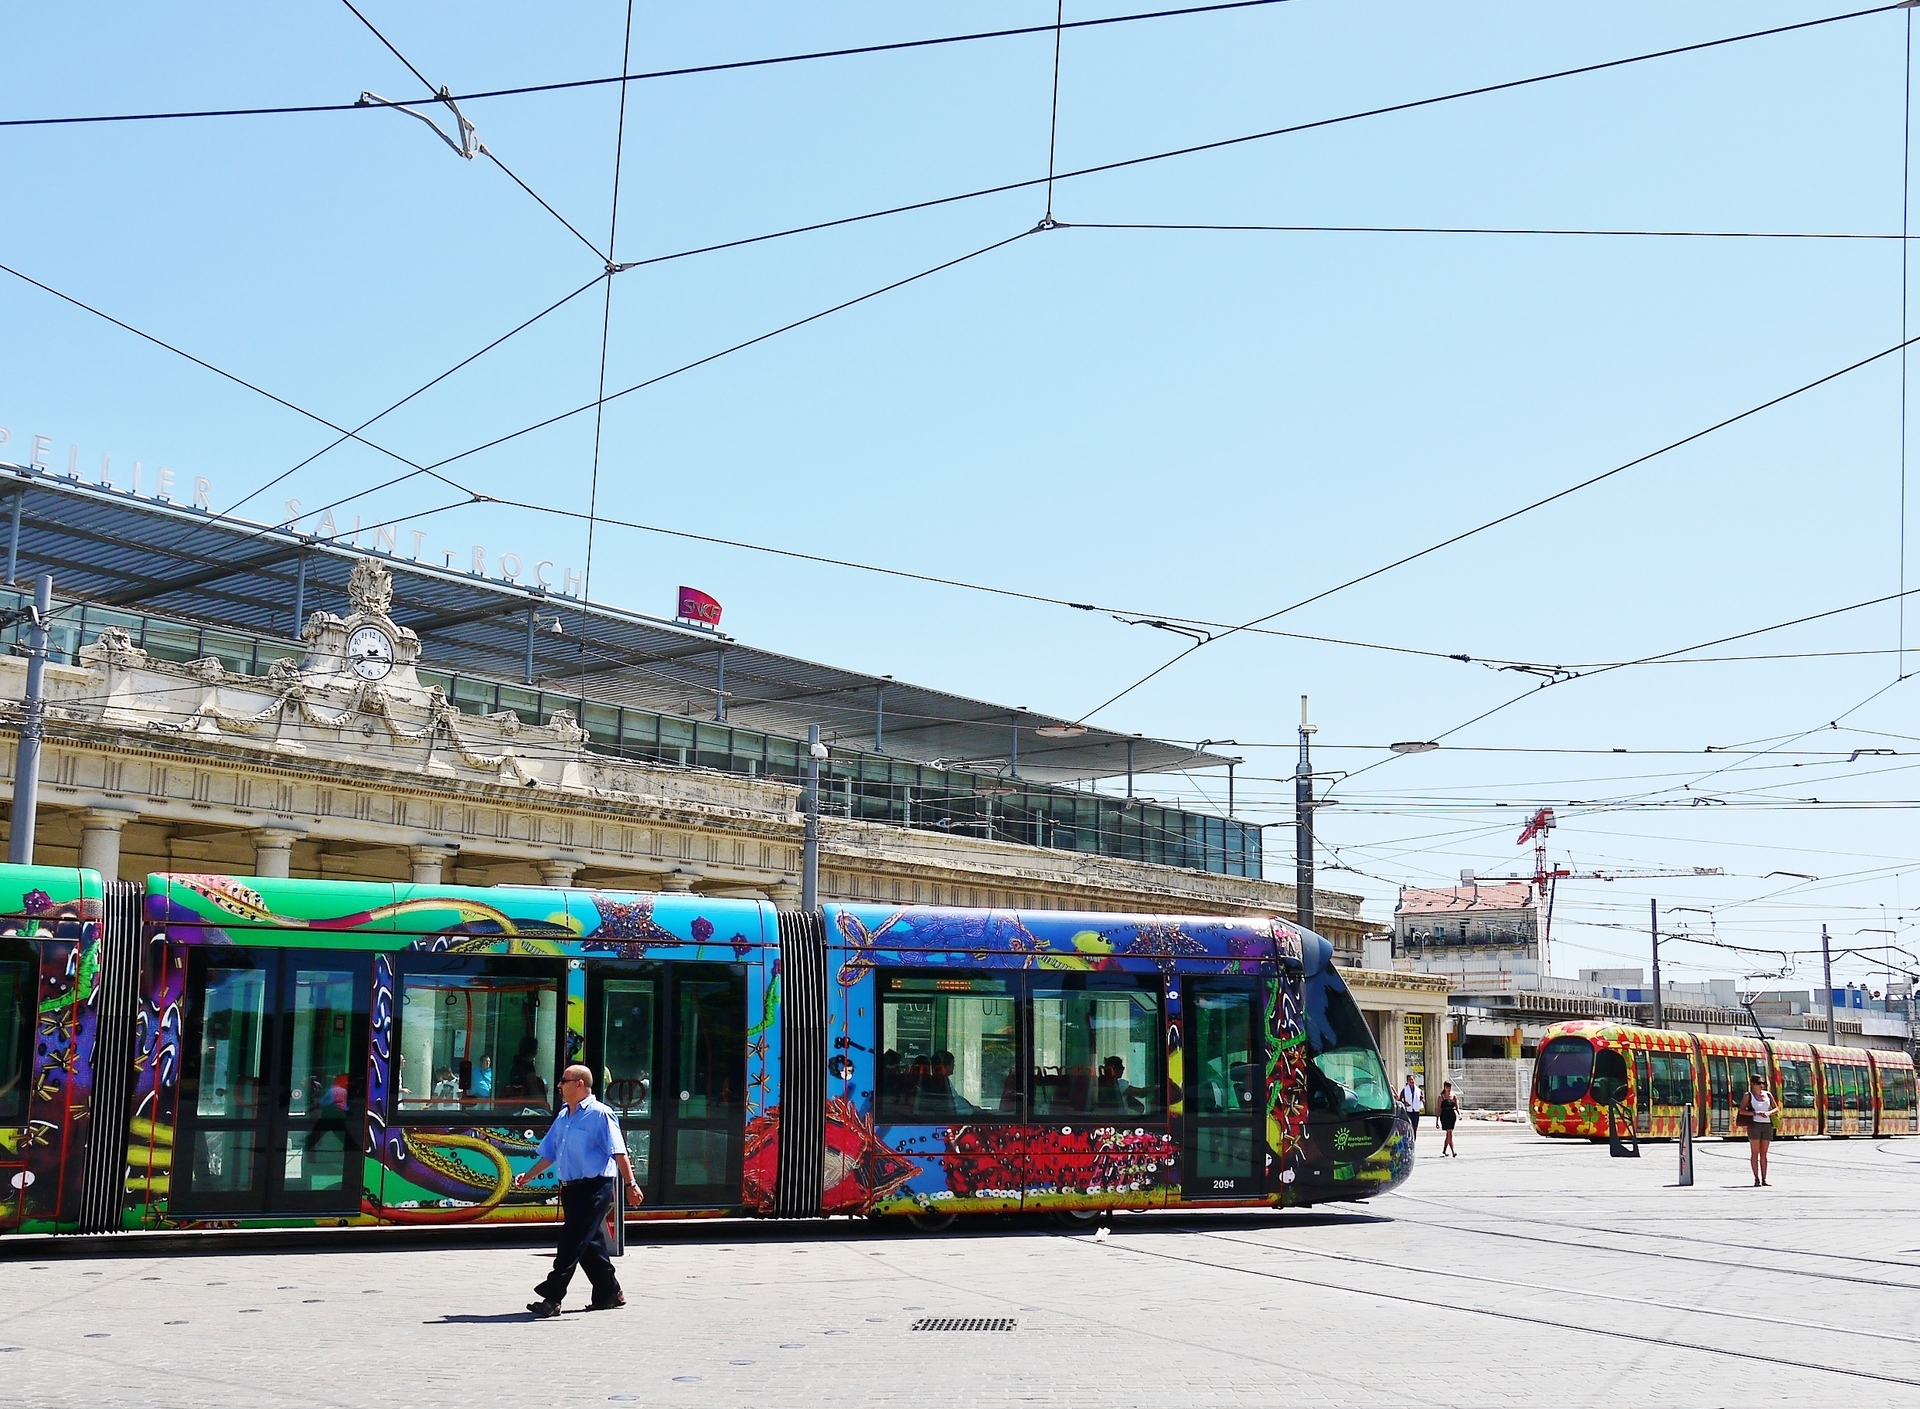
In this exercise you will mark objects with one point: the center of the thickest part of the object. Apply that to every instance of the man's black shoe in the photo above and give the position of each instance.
(544, 1309)
(614, 1305)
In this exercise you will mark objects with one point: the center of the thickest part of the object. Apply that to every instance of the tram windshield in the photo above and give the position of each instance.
(1346, 1077)
(18, 973)
(1564, 1068)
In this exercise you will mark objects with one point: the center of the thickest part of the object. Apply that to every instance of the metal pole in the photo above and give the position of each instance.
(26, 763)
(879, 718)
(1303, 826)
(1129, 767)
(1653, 927)
(1826, 968)
(1013, 768)
(810, 851)
(720, 687)
(13, 542)
(533, 620)
(1229, 791)
(300, 597)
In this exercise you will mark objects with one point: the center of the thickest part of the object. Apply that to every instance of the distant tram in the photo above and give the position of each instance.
(208, 1052)
(1837, 1091)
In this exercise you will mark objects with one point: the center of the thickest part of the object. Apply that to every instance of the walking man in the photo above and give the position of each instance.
(584, 1148)
(1410, 1097)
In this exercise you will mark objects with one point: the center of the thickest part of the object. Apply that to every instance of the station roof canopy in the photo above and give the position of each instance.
(108, 547)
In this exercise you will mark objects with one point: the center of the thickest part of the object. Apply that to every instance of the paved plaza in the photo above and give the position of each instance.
(1524, 1272)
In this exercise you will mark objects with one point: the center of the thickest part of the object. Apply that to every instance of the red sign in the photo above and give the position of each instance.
(696, 605)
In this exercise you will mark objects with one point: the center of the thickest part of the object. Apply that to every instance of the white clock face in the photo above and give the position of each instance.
(370, 653)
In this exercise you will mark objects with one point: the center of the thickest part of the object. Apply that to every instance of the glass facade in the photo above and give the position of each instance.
(856, 784)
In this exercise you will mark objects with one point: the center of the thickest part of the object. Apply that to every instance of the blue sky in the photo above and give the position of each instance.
(1198, 423)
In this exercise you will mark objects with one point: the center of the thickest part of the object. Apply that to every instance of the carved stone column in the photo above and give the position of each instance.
(678, 882)
(559, 870)
(100, 829)
(429, 863)
(784, 894)
(273, 851)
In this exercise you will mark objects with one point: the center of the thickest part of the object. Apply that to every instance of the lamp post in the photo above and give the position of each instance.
(26, 759)
(1303, 826)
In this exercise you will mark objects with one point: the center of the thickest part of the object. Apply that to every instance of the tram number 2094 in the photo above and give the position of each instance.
(1224, 1183)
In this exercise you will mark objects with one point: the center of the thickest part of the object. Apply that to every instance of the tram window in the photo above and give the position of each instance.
(949, 1048)
(1672, 1080)
(1610, 1075)
(1344, 1075)
(1563, 1069)
(477, 1036)
(1096, 1047)
(18, 988)
(1896, 1088)
(1796, 1085)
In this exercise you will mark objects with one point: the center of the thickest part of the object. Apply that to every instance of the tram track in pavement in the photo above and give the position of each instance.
(1906, 1265)
(1745, 1354)
(1723, 1263)
(1402, 1269)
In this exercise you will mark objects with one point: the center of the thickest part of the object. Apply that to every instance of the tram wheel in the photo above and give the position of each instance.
(931, 1220)
(1078, 1218)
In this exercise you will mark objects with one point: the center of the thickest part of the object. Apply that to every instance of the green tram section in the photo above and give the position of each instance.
(856, 784)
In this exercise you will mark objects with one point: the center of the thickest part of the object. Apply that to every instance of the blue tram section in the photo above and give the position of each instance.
(208, 1052)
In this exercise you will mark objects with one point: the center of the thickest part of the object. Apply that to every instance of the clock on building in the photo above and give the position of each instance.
(370, 653)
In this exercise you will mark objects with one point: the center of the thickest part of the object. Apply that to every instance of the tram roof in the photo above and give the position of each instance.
(113, 548)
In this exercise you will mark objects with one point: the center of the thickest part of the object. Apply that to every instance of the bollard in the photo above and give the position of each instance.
(1686, 1147)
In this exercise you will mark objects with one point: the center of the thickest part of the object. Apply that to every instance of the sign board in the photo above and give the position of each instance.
(1414, 1043)
(697, 606)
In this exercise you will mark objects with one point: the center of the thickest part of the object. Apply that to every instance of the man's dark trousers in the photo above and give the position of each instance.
(587, 1205)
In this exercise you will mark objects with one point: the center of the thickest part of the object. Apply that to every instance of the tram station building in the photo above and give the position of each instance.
(235, 698)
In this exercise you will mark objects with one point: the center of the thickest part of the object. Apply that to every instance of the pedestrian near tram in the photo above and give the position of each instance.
(1756, 1113)
(1410, 1098)
(584, 1149)
(1449, 1113)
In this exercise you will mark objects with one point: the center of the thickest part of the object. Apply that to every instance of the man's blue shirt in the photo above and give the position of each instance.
(583, 1141)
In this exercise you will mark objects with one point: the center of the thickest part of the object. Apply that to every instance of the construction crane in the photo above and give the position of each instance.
(1546, 875)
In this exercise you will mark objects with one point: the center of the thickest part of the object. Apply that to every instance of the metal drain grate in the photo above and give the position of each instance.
(964, 1323)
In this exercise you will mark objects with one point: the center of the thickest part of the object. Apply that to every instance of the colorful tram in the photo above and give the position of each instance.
(1837, 1091)
(209, 1052)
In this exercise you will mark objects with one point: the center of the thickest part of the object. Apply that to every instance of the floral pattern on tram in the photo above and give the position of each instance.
(42, 1146)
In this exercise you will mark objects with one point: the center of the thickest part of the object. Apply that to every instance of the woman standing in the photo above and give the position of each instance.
(1449, 1113)
(1756, 1111)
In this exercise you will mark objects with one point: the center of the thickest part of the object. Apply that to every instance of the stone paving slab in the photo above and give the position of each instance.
(1526, 1271)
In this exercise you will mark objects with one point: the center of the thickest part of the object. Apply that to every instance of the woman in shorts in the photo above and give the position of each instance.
(1757, 1110)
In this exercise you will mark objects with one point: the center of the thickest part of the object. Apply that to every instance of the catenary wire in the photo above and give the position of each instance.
(1508, 517)
(606, 309)
(1492, 230)
(623, 78)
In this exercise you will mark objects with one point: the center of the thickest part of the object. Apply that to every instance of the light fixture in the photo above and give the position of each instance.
(1414, 746)
(1061, 731)
(817, 750)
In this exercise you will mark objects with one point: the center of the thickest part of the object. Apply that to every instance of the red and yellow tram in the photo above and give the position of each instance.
(1836, 1091)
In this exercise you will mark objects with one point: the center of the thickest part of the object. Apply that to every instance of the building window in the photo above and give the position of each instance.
(479, 1037)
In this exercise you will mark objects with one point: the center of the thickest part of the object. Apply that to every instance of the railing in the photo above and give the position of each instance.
(854, 784)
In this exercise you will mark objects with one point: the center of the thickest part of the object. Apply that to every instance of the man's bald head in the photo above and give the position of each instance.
(576, 1072)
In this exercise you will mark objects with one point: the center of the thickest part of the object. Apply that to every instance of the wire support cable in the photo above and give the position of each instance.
(624, 78)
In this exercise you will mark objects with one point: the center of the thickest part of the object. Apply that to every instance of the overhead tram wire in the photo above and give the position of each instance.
(624, 78)
(1228, 142)
(1508, 517)
(225, 515)
(606, 311)
(1598, 231)
(442, 96)
(711, 357)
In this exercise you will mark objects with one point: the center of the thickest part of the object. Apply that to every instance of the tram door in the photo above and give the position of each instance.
(1222, 1076)
(1642, 1095)
(668, 1044)
(273, 1094)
